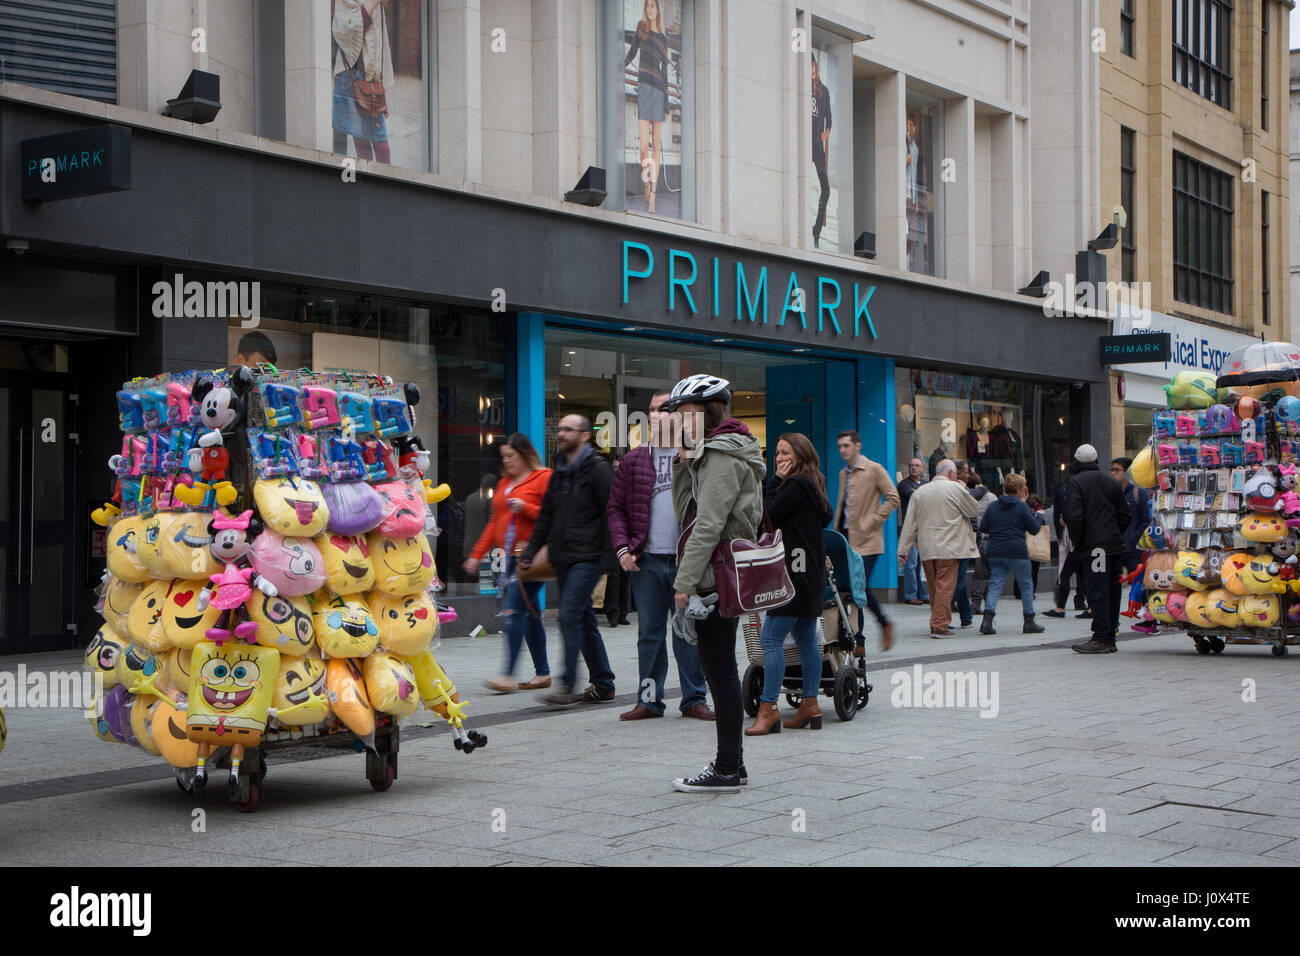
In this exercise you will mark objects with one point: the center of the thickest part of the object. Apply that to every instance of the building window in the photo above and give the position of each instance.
(923, 145)
(1202, 235)
(1263, 237)
(1203, 48)
(1263, 72)
(67, 48)
(1127, 178)
(1127, 26)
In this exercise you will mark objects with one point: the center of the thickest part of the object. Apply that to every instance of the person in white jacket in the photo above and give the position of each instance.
(939, 524)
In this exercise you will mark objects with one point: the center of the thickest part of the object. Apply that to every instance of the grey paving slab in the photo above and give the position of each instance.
(1008, 853)
(1118, 846)
(1225, 838)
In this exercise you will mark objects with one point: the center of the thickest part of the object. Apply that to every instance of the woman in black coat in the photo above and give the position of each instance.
(798, 507)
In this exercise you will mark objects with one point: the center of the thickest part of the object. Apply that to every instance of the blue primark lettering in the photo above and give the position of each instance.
(674, 282)
(827, 307)
(860, 311)
(649, 265)
(742, 293)
(715, 287)
(791, 291)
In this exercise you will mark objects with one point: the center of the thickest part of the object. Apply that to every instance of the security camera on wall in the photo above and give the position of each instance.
(1120, 217)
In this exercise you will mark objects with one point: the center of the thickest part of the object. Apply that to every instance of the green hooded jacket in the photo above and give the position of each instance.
(727, 478)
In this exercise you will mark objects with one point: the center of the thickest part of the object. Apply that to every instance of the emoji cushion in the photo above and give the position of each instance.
(140, 672)
(1176, 605)
(354, 507)
(1156, 605)
(406, 624)
(347, 563)
(118, 598)
(344, 626)
(1259, 610)
(123, 539)
(183, 547)
(295, 508)
(293, 565)
(230, 692)
(1195, 609)
(1160, 571)
(1143, 469)
(1187, 570)
(184, 625)
(167, 730)
(179, 672)
(402, 565)
(390, 684)
(1230, 573)
(1263, 527)
(144, 622)
(404, 513)
(103, 652)
(300, 697)
(1221, 608)
(153, 529)
(346, 688)
(1258, 575)
(142, 712)
(284, 623)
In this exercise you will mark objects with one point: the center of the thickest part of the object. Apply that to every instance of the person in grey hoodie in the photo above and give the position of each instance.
(718, 496)
(983, 498)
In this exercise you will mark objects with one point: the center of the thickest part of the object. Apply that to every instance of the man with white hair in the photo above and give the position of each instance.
(939, 524)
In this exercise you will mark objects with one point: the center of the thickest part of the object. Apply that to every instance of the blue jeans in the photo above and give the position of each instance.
(521, 626)
(772, 637)
(999, 569)
(914, 577)
(652, 589)
(578, 625)
(962, 596)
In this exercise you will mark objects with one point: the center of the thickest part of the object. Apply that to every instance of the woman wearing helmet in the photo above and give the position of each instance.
(718, 496)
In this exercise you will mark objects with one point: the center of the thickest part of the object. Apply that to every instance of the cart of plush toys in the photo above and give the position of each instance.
(270, 581)
(1220, 562)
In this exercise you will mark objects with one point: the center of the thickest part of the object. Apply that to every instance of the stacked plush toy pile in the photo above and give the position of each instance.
(269, 571)
(1222, 542)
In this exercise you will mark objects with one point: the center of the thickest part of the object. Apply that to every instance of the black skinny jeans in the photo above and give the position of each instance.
(717, 636)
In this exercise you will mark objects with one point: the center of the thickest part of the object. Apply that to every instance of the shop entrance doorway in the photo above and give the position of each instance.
(37, 513)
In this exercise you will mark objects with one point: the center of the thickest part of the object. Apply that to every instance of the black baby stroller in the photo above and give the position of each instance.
(844, 677)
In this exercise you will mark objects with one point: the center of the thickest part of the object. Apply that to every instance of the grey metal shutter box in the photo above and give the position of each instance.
(68, 46)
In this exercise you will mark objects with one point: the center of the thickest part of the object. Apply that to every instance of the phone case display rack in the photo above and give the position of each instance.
(1221, 560)
(270, 582)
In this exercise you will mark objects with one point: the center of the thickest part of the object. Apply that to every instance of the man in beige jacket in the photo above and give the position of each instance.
(865, 483)
(938, 523)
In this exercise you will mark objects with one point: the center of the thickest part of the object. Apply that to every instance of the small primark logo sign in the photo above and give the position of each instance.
(1122, 349)
(83, 162)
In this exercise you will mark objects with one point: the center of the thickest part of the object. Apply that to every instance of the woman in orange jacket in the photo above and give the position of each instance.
(515, 506)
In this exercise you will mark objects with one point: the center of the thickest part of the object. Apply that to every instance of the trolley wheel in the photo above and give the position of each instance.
(1279, 650)
(261, 765)
(254, 796)
(1217, 645)
(794, 700)
(845, 693)
(1202, 645)
(752, 688)
(390, 774)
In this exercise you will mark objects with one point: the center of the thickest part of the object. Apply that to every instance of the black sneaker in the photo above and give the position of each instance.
(708, 781)
(744, 774)
(593, 696)
(1053, 613)
(1085, 616)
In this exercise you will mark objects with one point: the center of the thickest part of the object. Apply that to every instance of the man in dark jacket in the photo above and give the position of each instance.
(572, 526)
(643, 530)
(1139, 507)
(1096, 516)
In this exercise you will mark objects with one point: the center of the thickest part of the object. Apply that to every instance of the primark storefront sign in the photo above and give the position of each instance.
(727, 290)
(1192, 347)
(80, 163)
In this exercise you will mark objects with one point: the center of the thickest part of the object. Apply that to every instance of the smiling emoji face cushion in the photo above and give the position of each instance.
(1259, 610)
(347, 563)
(402, 565)
(390, 684)
(103, 653)
(1156, 605)
(123, 541)
(406, 624)
(1263, 527)
(119, 596)
(153, 530)
(1187, 570)
(184, 625)
(1258, 574)
(1221, 608)
(167, 730)
(296, 509)
(1196, 609)
(344, 626)
(184, 548)
(284, 623)
(300, 696)
(1230, 572)
(144, 622)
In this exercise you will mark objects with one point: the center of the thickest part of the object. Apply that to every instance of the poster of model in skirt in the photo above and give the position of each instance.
(653, 87)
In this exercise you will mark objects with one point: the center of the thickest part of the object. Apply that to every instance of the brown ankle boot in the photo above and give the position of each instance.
(768, 721)
(808, 715)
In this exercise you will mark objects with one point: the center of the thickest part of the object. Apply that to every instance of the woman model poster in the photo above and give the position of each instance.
(361, 54)
(651, 43)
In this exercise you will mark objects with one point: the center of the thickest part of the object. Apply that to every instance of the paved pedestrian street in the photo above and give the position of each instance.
(1154, 755)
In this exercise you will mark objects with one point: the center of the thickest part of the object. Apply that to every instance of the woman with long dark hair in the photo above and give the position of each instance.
(515, 507)
(651, 93)
(798, 507)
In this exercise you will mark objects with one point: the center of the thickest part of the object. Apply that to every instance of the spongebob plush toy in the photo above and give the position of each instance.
(230, 692)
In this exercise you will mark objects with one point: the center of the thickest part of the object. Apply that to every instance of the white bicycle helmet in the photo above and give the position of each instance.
(697, 388)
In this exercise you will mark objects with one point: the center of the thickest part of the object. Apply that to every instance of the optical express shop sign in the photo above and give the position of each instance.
(1193, 347)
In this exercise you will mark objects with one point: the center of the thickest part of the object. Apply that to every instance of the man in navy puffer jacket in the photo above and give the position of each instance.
(1006, 522)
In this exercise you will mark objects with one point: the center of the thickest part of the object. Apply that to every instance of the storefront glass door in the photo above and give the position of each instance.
(37, 516)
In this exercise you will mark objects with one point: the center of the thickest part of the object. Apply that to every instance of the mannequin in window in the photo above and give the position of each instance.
(977, 439)
(1005, 440)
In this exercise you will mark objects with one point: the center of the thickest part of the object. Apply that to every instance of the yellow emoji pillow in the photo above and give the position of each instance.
(284, 623)
(402, 565)
(184, 625)
(300, 697)
(390, 684)
(406, 624)
(347, 563)
(167, 730)
(141, 672)
(184, 547)
(119, 596)
(1259, 574)
(144, 622)
(1187, 570)
(1156, 605)
(106, 647)
(1221, 608)
(1230, 572)
(295, 508)
(1259, 610)
(344, 626)
(153, 529)
(1196, 609)
(123, 540)
(346, 688)
(1263, 527)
